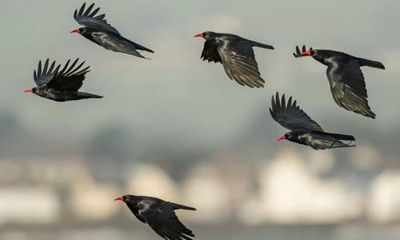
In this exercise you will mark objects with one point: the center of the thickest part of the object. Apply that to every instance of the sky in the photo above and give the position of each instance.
(177, 96)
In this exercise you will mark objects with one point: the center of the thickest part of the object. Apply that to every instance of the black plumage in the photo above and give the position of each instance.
(345, 77)
(236, 55)
(99, 31)
(60, 85)
(159, 215)
(304, 130)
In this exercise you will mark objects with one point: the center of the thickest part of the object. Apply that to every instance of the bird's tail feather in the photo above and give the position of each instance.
(89, 95)
(138, 46)
(179, 206)
(370, 63)
(342, 136)
(143, 48)
(261, 45)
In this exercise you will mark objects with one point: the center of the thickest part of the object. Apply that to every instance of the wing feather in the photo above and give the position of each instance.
(43, 75)
(240, 64)
(210, 51)
(70, 78)
(348, 86)
(290, 116)
(163, 220)
(92, 14)
(89, 19)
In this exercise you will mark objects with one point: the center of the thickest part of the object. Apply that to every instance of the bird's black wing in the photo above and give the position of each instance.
(70, 78)
(89, 19)
(348, 85)
(44, 74)
(162, 219)
(210, 51)
(239, 62)
(290, 116)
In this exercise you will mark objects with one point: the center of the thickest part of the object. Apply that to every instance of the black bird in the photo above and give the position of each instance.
(160, 215)
(99, 31)
(304, 130)
(60, 85)
(236, 55)
(345, 77)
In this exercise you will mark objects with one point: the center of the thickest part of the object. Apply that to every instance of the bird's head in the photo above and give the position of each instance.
(78, 30)
(286, 136)
(304, 52)
(31, 90)
(206, 35)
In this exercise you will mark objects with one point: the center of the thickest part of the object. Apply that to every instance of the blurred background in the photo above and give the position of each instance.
(177, 128)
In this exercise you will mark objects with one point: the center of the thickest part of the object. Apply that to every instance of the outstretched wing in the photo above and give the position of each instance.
(162, 219)
(348, 85)
(43, 75)
(89, 19)
(70, 78)
(210, 51)
(239, 63)
(290, 116)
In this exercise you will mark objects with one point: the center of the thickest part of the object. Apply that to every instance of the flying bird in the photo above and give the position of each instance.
(303, 129)
(160, 215)
(60, 84)
(99, 31)
(236, 55)
(345, 77)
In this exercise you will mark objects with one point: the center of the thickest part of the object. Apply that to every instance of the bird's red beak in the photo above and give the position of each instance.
(76, 31)
(29, 90)
(119, 199)
(199, 35)
(303, 53)
(282, 137)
